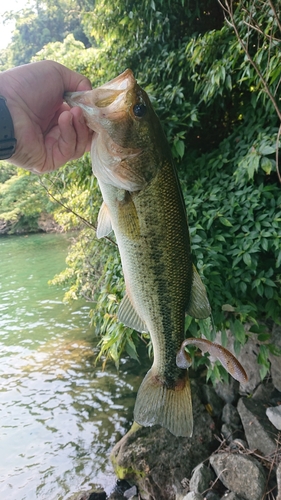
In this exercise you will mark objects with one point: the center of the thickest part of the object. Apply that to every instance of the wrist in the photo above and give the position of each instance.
(7, 135)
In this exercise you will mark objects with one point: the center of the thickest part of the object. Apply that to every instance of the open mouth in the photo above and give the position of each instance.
(107, 101)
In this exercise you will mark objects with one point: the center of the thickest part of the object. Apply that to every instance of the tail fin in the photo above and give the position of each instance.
(170, 408)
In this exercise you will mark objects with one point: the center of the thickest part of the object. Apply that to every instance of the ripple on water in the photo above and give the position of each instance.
(60, 414)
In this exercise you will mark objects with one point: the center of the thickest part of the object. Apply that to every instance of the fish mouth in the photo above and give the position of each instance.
(109, 101)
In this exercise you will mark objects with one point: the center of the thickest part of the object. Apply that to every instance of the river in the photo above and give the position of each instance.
(60, 414)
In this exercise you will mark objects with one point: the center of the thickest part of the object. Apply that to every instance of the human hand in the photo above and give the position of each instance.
(48, 132)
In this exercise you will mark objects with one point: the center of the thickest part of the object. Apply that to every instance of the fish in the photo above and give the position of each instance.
(143, 204)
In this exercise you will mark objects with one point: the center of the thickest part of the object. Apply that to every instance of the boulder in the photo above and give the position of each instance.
(276, 360)
(192, 495)
(159, 463)
(241, 474)
(274, 415)
(259, 432)
(201, 478)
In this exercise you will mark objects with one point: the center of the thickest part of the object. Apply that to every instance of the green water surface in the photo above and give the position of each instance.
(59, 413)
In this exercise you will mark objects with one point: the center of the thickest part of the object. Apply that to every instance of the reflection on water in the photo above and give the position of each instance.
(60, 414)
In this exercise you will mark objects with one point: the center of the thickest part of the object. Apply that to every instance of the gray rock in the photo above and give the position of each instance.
(238, 444)
(276, 360)
(157, 462)
(263, 392)
(230, 415)
(201, 478)
(232, 496)
(192, 495)
(274, 415)
(278, 478)
(229, 393)
(228, 432)
(210, 397)
(211, 495)
(241, 474)
(259, 432)
(131, 493)
(248, 359)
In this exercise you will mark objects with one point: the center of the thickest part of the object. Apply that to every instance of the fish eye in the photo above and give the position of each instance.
(139, 110)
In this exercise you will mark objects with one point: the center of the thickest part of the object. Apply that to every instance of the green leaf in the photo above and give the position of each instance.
(266, 150)
(225, 221)
(180, 147)
(247, 259)
(238, 331)
(228, 308)
(266, 165)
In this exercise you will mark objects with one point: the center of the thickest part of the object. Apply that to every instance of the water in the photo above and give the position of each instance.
(59, 413)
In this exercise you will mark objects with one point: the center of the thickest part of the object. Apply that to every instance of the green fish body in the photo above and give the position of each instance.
(143, 204)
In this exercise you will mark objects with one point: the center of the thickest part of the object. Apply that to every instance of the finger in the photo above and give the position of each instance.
(83, 133)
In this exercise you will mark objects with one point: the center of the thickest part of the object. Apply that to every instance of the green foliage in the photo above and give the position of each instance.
(216, 87)
(45, 22)
(21, 201)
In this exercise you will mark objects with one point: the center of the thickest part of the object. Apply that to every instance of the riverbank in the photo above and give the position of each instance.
(44, 223)
(234, 453)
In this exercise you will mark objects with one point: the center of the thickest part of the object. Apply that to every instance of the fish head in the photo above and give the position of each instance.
(128, 142)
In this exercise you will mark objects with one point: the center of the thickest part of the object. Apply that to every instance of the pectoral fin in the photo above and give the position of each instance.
(104, 222)
(198, 306)
(129, 316)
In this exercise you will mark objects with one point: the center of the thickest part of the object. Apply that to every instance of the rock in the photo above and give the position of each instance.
(259, 432)
(192, 495)
(209, 397)
(276, 360)
(158, 462)
(241, 474)
(228, 433)
(248, 359)
(231, 428)
(274, 415)
(232, 496)
(263, 392)
(47, 223)
(5, 226)
(278, 478)
(120, 490)
(90, 495)
(131, 493)
(98, 496)
(229, 393)
(238, 444)
(211, 495)
(201, 478)
(230, 415)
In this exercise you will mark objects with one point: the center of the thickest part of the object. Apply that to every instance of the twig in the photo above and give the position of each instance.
(85, 221)
(275, 14)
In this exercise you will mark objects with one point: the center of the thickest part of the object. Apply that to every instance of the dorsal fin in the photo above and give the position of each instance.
(129, 316)
(198, 306)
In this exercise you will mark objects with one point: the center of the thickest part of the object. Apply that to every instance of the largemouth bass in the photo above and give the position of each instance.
(143, 204)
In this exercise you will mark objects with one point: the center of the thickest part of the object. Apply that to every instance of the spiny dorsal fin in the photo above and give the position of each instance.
(129, 316)
(104, 222)
(198, 306)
